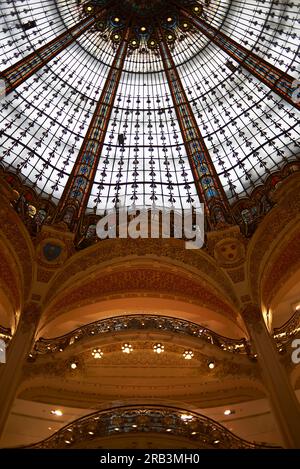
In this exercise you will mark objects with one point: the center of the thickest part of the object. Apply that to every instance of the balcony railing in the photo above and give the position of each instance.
(204, 432)
(141, 322)
(287, 332)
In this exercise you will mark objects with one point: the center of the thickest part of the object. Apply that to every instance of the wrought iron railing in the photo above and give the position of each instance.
(142, 322)
(172, 421)
(287, 332)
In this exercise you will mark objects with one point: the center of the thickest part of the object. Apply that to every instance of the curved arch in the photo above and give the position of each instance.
(141, 279)
(273, 235)
(170, 252)
(16, 241)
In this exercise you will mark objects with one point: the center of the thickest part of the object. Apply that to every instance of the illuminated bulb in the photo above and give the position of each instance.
(143, 29)
(170, 37)
(196, 9)
(97, 353)
(211, 365)
(188, 354)
(57, 412)
(73, 366)
(117, 20)
(227, 412)
(185, 25)
(127, 348)
(186, 418)
(89, 8)
(117, 36)
(158, 348)
(169, 19)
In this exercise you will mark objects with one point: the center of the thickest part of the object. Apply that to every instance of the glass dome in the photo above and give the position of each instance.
(248, 129)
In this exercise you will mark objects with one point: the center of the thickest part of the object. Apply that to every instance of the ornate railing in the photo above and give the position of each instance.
(141, 322)
(204, 432)
(285, 334)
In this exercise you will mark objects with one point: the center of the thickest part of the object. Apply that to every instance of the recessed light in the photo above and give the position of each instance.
(73, 365)
(127, 348)
(211, 365)
(97, 353)
(158, 348)
(227, 412)
(188, 354)
(186, 417)
(57, 412)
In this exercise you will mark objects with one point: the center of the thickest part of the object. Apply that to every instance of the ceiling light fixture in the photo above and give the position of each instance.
(127, 348)
(158, 348)
(188, 354)
(97, 353)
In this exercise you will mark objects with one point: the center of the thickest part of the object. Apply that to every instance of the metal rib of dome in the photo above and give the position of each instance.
(248, 129)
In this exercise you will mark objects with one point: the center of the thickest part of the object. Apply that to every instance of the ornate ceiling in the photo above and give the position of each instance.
(248, 130)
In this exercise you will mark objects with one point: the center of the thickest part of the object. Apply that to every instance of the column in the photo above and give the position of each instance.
(15, 75)
(17, 353)
(74, 200)
(283, 400)
(277, 80)
(209, 187)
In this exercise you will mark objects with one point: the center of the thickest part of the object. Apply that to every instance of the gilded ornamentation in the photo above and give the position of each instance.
(141, 281)
(237, 275)
(30, 317)
(9, 281)
(281, 267)
(168, 250)
(44, 275)
(14, 232)
(272, 226)
(253, 318)
(141, 323)
(204, 432)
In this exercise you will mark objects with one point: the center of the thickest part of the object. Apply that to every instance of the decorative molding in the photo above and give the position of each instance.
(145, 281)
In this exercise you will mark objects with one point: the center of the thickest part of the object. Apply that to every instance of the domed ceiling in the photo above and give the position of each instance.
(249, 131)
